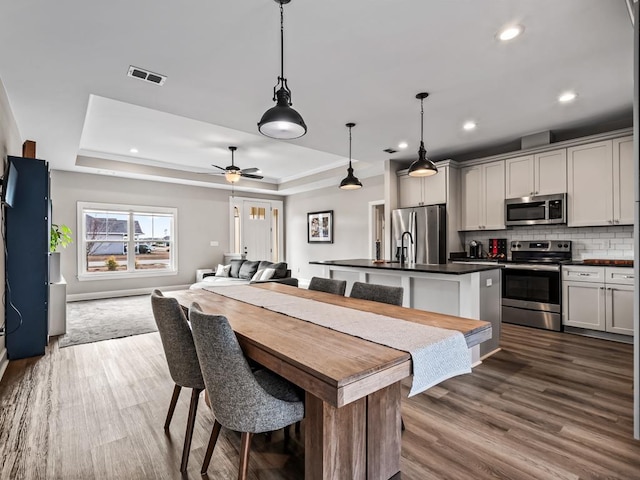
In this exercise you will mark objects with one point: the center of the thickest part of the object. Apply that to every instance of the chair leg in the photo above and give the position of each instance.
(195, 395)
(287, 435)
(172, 405)
(297, 430)
(402, 423)
(244, 455)
(212, 444)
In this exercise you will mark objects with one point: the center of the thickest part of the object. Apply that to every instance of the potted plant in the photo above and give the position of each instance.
(60, 236)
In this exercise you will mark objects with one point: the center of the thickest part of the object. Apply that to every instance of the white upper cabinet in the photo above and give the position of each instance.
(483, 194)
(539, 174)
(600, 183)
(550, 172)
(414, 191)
(623, 197)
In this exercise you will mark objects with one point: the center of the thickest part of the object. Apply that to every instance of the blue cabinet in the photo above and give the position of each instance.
(27, 260)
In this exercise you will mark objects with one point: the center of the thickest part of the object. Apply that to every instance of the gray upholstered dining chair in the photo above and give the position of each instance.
(241, 400)
(182, 360)
(377, 293)
(328, 285)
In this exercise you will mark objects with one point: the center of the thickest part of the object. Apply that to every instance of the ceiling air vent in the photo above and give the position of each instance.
(146, 75)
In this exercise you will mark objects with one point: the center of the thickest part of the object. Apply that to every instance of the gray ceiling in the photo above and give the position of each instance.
(64, 67)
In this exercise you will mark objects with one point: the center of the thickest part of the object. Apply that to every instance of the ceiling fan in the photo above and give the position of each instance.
(233, 173)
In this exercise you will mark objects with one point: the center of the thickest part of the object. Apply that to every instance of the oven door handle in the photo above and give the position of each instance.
(540, 268)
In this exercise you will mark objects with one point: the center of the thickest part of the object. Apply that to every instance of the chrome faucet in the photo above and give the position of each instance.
(402, 247)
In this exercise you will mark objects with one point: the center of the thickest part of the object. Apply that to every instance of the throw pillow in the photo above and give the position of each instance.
(257, 275)
(281, 270)
(223, 270)
(248, 269)
(265, 264)
(235, 267)
(268, 273)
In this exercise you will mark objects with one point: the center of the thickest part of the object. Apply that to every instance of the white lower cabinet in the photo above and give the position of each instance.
(598, 298)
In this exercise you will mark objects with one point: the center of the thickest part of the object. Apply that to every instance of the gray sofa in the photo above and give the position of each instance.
(242, 271)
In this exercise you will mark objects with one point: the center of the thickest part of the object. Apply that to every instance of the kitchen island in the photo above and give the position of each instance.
(463, 290)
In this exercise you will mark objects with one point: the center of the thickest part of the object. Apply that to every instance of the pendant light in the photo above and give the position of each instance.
(282, 121)
(422, 167)
(350, 182)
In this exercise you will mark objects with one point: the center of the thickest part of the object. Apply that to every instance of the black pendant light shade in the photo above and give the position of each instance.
(282, 121)
(422, 167)
(350, 182)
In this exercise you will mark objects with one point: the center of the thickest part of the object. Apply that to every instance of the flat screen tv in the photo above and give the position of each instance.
(9, 182)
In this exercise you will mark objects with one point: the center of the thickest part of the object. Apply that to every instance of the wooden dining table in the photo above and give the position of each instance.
(353, 386)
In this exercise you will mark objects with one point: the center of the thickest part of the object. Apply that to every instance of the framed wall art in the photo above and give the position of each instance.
(320, 227)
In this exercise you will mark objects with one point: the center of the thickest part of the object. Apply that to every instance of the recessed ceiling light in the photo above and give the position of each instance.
(567, 97)
(510, 33)
(133, 150)
(470, 125)
(403, 145)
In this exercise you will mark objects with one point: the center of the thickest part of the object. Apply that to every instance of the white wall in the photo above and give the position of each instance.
(203, 216)
(10, 144)
(587, 242)
(350, 228)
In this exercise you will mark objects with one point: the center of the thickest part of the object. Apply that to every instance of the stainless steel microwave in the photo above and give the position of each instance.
(538, 210)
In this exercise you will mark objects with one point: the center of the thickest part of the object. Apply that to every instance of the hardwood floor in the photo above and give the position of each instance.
(548, 406)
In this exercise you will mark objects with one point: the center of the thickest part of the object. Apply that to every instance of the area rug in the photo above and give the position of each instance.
(96, 320)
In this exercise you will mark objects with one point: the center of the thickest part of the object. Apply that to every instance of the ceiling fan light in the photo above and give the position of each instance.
(232, 176)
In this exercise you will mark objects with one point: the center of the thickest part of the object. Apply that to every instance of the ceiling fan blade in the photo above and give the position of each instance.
(218, 167)
(249, 175)
(250, 170)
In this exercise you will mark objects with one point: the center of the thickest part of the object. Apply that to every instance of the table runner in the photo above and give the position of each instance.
(437, 353)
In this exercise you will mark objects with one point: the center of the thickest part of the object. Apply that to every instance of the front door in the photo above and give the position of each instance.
(256, 230)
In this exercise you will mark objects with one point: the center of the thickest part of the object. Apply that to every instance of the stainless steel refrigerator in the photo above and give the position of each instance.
(428, 228)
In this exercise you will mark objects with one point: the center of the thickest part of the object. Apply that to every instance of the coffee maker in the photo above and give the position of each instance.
(475, 249)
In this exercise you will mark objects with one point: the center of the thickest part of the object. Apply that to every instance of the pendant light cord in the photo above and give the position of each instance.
(282, 82)
(422, 120)
(281, 41)
(350, 147)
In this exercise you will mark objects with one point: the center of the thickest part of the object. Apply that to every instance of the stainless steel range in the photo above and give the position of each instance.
(531, 283)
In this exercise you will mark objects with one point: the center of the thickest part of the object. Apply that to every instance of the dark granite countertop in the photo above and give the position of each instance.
(447, 269)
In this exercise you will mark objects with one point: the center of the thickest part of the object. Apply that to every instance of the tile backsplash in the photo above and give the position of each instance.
(588, 242)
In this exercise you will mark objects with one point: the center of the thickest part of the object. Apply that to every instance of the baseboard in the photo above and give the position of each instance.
(487, 355)
(78, 297)
(4, 361)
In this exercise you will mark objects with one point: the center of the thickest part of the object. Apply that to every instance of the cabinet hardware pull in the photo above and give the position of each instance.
(617, 221)
(627, 276)
(584, 274)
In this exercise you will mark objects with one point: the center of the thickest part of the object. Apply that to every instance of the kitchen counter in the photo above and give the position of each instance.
(587, 262)
(458, 289)
(447, 269)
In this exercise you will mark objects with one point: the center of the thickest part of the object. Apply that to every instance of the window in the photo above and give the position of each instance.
(124, 240)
